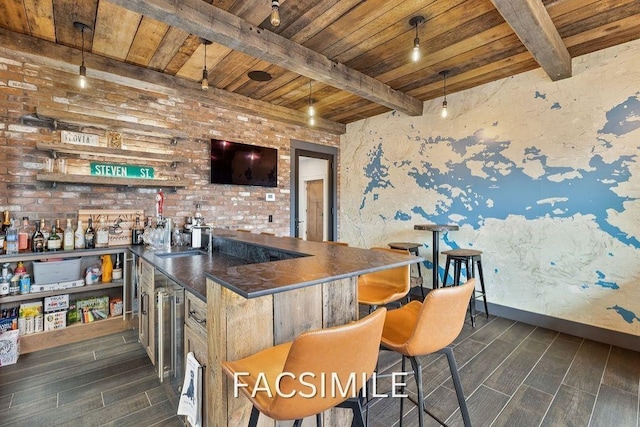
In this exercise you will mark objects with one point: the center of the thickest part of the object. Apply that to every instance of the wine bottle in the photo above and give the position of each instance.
(89, 236)
(37, 240)
(68, 241)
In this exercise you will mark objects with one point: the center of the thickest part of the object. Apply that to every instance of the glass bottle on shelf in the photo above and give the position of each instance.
(6, 222)
(24, 235)
(90, 236)
(68, 240)
(37, 240)
(12, 239)
(136, 233)
(54, 242)
(102, 234)
(79, 236)
(46, 231)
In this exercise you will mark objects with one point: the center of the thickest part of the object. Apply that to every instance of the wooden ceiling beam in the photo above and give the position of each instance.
(204, 20)
(64, 58)
(533, 26)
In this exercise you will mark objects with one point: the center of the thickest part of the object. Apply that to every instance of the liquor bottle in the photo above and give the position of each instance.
(6, 222)
(37, 240)
(68, 241)
(59, 229)
(54, 242)
(24, 235)
(90, 236)
(12, 239)
(46, 231)
(79, 236)
(136, 233)
(102, 235)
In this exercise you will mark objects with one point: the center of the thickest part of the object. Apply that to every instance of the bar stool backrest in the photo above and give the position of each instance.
(347, 353)
(399, 276)
(441, 319)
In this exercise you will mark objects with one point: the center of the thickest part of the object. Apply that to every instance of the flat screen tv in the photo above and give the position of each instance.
(243, 164)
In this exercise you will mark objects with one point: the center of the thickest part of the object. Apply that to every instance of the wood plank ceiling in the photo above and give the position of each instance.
(355, 53)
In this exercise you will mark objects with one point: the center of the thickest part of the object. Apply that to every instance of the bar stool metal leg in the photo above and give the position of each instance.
(453, 367)
(484, 294)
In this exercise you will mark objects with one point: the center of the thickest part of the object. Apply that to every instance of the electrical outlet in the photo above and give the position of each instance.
(271, 197)
(270, 218)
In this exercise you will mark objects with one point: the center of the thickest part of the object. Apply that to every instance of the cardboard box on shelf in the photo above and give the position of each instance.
(55, 320)
(92, 309)
(56, 303)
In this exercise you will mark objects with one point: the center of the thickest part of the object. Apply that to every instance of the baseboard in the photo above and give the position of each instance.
(607, 336)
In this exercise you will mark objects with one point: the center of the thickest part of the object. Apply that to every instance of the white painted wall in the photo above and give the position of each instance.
(542, 176)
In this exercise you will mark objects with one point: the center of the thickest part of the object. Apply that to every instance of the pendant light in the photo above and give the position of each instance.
(311, 110)
(275, 13)
(415, 52)
(204, 84)
(82, 80)
(444, 112)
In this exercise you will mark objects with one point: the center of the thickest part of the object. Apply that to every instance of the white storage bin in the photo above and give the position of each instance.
(63, 270)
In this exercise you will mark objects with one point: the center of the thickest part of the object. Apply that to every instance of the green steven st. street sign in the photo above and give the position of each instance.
(121, 171)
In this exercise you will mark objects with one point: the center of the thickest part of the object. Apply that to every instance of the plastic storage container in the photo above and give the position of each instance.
(65, 270)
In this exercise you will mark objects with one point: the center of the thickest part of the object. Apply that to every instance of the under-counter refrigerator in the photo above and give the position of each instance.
(170, 332)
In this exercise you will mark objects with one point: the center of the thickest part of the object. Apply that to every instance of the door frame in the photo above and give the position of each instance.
(317, 151)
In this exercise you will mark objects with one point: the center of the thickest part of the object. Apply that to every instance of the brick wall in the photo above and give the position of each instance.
(24, 87)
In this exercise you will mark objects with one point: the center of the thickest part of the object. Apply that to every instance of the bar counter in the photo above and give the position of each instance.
(262, 291)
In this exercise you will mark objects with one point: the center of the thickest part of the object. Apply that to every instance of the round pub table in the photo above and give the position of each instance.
(435, 230)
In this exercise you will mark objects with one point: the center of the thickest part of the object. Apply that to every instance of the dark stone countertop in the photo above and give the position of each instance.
(238, 263)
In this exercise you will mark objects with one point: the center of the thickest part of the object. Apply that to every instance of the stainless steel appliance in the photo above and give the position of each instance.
(170, 331)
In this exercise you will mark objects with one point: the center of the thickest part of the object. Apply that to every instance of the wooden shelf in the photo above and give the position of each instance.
(73, 333)
(109, 121)
(40, 295)
(102, 180)
(61, 147)
(30, 256)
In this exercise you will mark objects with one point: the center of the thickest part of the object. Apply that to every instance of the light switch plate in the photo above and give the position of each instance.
(271, 197)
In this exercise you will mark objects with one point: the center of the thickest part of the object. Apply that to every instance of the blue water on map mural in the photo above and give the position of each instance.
(506, 190)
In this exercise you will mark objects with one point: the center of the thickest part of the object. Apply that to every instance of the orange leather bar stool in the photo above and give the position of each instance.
(331, 242)
(341, 353)
(266, 233)
(470, 258)
(417, 329)
(413, 248)
(385, 286)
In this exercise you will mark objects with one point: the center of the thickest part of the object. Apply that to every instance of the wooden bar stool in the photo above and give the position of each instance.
(413, 249)
(313, 361)
(470, 258)
(417, 329)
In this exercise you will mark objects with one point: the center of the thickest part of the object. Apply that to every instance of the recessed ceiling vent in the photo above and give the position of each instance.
(259, 76)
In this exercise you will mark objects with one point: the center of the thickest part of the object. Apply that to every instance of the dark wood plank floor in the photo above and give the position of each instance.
(513, 374)
(106, 381)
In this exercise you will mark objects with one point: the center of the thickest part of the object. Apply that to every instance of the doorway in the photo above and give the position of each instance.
(313, 191)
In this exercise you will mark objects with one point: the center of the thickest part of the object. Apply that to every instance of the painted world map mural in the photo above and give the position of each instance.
(553, 202)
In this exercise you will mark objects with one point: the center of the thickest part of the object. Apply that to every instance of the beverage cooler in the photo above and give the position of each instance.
(169, 332)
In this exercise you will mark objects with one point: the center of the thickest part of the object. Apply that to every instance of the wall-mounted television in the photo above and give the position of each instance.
(243, 164)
